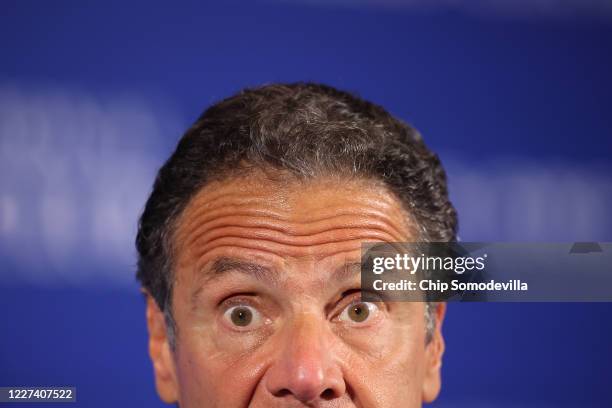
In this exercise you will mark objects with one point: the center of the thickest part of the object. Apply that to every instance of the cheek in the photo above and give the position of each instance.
(394, 380)
(386, 368)
(215, 368)
(210, 378)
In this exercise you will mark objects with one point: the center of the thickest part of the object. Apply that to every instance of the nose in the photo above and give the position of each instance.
(304, 368)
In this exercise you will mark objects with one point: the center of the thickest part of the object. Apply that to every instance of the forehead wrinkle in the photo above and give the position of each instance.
(197, 210)
(256, 217)
(263, 225)
(206, 236)
(253, 217)
(314, 252)
(219, 202)
(210, 198)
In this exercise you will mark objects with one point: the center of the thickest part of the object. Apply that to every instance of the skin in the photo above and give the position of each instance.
(285, 251)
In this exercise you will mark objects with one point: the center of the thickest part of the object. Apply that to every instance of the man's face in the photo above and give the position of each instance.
(267, 304)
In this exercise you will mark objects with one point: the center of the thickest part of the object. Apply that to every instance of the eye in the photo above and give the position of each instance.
(243, 317)
(359, 312)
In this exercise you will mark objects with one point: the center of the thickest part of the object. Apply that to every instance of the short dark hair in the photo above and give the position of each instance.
(307, 130)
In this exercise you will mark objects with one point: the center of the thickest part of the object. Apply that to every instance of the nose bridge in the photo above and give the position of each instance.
(304, 343)
(304, 367)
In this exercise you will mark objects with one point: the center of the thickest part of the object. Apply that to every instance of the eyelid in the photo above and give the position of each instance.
(237, 298)
(357, 295)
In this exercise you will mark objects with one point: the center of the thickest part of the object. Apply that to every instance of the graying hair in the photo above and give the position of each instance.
(307, 130)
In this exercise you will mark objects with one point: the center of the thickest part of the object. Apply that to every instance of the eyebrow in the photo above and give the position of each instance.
(225, 264)
(222, 265)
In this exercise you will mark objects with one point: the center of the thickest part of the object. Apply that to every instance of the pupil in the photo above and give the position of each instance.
(241, 316)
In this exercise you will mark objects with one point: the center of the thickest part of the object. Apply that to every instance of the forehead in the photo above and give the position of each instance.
(276, 221)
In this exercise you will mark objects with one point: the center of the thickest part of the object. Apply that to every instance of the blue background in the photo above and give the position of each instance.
(517, 101)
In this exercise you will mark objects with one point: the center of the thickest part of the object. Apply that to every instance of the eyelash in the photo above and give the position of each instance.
(356, 296)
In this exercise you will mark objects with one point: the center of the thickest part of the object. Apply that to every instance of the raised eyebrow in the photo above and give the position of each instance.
(347, 271)
(222, 265)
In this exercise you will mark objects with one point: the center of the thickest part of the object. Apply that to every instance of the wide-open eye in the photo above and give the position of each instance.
(243, 317)
(359, 312)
